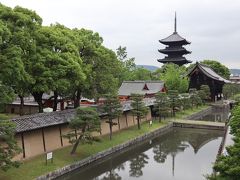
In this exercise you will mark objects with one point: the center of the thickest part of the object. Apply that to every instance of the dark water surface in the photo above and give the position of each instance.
(180, 154)
(217, 114)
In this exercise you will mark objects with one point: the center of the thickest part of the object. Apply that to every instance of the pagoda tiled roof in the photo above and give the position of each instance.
(169, 50)
(174, 59)
(175, 37)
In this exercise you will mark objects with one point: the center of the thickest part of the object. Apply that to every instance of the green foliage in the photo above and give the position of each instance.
(185, 101)
(173, 100)
(237, 98)
(6, 95)
(206, 90)
(140, 74)
(161, 105)
(138, 107)
(195, 98)
(174, 77)
(113, 109)
(228, 165)
(229, 90)
(8, 145)
(85, 122)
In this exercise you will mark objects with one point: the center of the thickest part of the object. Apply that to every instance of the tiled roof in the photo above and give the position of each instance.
(137, 87)
(175, 37)
(208, 71)
(40, 120)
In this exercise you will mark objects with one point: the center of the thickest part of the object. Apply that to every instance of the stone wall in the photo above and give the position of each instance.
(47, 139)
(200, 114)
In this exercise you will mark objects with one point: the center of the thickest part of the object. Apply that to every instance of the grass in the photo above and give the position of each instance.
(184, 114)
(7, 116)
(36, 166)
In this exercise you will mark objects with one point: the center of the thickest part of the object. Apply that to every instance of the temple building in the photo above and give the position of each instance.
(174, 49)
(202, 74)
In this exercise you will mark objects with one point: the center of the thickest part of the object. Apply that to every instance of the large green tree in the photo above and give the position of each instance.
(60, 60)
(100, 65)
(17, 47)
(174, 77)
(85, 122)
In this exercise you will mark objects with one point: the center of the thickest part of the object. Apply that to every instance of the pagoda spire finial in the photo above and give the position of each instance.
(175, 23)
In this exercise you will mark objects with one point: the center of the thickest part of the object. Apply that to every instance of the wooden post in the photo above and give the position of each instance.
(126, 119)
(60, 131)
(119, 124)
(23, 145)
(44, 145)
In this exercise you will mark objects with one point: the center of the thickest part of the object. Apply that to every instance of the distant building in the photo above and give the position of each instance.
(146, 88)
(31, 106)
(174, 49)
(204, 75)
(235, 79)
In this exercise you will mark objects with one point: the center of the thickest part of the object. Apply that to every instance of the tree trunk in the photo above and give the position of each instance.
(77, 141)
(119, 124)
(159, 117)
(75, 146)
(138, 121)
(110, 127)
(55, 101)
(38, 98)
(77, 99)
(21, 105)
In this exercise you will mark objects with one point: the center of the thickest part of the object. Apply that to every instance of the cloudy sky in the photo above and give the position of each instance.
(213, 26)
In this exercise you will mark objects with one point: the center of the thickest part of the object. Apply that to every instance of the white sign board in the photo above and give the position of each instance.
(150, 122)
(49, 155)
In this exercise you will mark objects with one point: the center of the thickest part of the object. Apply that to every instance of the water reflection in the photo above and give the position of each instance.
(218, 114)
(168, 156)
(137, 164)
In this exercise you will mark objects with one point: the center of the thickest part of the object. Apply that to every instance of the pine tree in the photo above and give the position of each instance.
(138, 107)
(161, 104)
(85, 122)
(113, 109)
(194, 97)
(185, 101)
(174, 100)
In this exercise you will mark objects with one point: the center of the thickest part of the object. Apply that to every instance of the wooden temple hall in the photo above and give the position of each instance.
(202, 74)
(174, 48)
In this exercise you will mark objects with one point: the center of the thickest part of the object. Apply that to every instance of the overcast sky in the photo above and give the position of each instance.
(212, 26)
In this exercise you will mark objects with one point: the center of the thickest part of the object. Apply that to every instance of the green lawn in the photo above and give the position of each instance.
(34, 167)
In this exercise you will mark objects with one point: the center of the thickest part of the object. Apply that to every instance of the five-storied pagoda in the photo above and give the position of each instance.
(174, 49)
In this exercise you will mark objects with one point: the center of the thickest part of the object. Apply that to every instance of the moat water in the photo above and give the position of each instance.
(179, 154)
